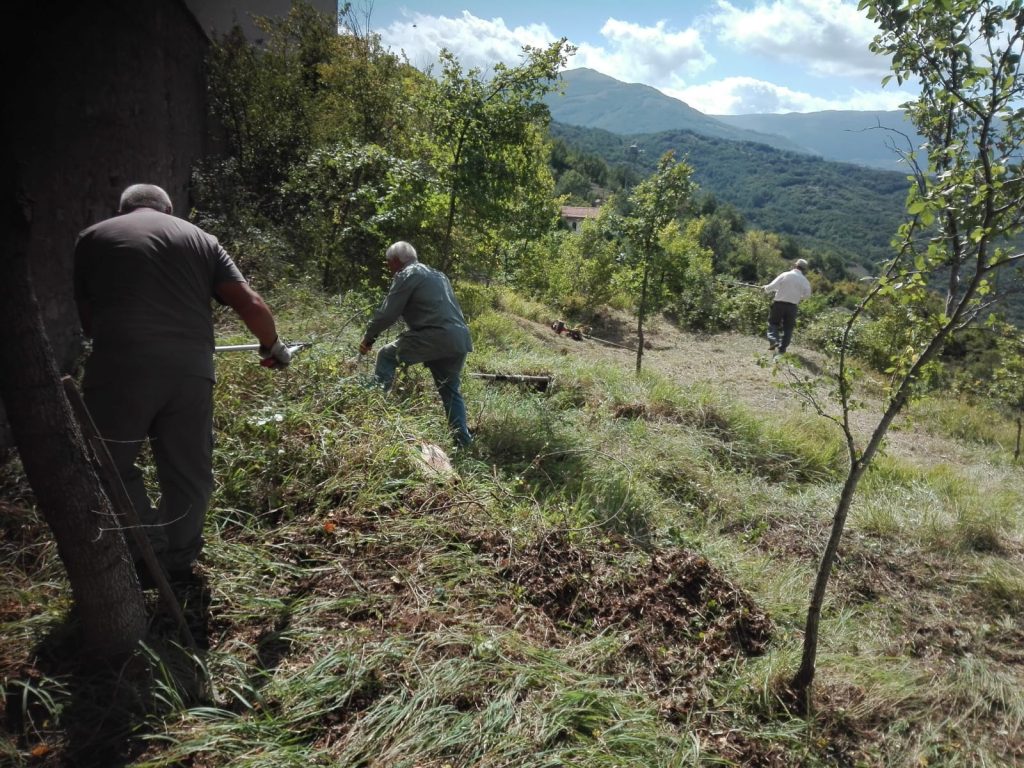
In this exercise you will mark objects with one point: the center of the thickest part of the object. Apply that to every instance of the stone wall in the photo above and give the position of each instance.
(101, 95)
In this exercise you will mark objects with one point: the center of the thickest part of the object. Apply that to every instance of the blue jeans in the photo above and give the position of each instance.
(446, 372)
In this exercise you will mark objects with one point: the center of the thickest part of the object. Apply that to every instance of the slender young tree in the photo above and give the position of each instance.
(964, 203)
(654, 203)
(484, 139)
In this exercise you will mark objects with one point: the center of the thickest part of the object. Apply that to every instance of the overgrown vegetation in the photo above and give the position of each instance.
(615, 575)
(617, 572)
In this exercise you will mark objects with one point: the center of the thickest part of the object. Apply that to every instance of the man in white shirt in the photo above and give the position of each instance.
(790, 288)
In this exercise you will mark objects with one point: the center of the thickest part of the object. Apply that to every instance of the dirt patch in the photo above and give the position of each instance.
(680, 617)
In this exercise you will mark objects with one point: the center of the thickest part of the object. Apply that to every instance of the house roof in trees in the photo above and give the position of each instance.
(579, 212)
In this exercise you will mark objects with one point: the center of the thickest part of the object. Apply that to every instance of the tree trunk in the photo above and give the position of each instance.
(800, 685)
(69, 493)
(640, 315)
(801, 682)
(453, 194)
(1016, 445)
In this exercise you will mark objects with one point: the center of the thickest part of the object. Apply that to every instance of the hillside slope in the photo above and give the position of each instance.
(866, 138)
(615, 574)
(592, 100)
(847, 209)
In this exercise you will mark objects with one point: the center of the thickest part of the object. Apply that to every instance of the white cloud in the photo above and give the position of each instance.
(629, 52)
(652, 55)
(748, 95)
(827, 37)
(476, 42)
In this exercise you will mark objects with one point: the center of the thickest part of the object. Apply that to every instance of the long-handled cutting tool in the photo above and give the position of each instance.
(269, 363)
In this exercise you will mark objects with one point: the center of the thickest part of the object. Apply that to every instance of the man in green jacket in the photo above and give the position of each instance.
(437, 334)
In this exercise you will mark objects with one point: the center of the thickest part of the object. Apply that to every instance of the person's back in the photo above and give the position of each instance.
(432, 303)
(424, 299)
(144, 285)
(791, 287)
(437, 334)
(149, 278)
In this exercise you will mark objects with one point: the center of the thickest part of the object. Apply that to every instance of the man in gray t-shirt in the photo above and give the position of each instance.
(437, 334)
(144, 281)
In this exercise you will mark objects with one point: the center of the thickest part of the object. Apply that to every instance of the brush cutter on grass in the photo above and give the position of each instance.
(293, 349)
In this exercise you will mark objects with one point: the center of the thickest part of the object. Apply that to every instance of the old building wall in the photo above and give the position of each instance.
(100, 95)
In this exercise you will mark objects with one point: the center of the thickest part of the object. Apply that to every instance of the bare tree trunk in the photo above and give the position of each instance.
(800, 685)
(801, 682)
(69, 493)
(1016, 445)
(640, 315)
(453, 194)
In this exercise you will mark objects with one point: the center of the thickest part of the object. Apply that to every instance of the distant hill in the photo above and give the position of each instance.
(847, 209)
(593, 100)
(864, 138)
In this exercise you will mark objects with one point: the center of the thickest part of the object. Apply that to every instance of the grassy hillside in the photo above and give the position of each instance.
(846, 209)
(615, 574)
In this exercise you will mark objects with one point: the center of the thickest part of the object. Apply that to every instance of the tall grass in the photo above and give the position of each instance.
(367, 611)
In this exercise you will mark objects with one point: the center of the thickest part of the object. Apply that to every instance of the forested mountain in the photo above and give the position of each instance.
(865, 138)
(593, 100)
(836, 207)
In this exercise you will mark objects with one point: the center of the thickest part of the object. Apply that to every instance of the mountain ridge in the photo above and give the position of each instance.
(593, 100)
(590, 99)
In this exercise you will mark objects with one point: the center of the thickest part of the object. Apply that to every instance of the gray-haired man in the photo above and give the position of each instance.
(143, 284)
(437, 334)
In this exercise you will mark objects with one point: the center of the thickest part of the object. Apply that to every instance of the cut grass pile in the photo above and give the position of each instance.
(616, 574)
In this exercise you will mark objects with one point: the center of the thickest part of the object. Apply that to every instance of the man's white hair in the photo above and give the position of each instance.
(402, 252)
(145, 196)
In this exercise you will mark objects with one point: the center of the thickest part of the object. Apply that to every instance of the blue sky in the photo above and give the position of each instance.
(719, 56)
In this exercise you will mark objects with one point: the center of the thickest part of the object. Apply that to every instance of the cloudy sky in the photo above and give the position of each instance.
(719, 56)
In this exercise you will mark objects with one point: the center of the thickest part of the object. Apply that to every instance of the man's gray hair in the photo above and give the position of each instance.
(800, 264)
(145, 196)
(401, 252)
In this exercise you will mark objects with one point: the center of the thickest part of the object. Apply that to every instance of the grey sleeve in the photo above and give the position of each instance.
(224, 269)
(392, 307)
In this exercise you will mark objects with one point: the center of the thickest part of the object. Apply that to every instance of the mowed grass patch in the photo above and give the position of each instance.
(944, 509)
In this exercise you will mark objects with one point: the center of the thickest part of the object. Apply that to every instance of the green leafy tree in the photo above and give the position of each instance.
(690, 289)
(265, 99)
(654, 204)
(583, 271)
(575, 186)
(483, 141)
(962, 206)
(367, 92)
(347, 203)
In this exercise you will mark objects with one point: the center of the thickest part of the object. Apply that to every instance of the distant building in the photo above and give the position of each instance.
(574, 215)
